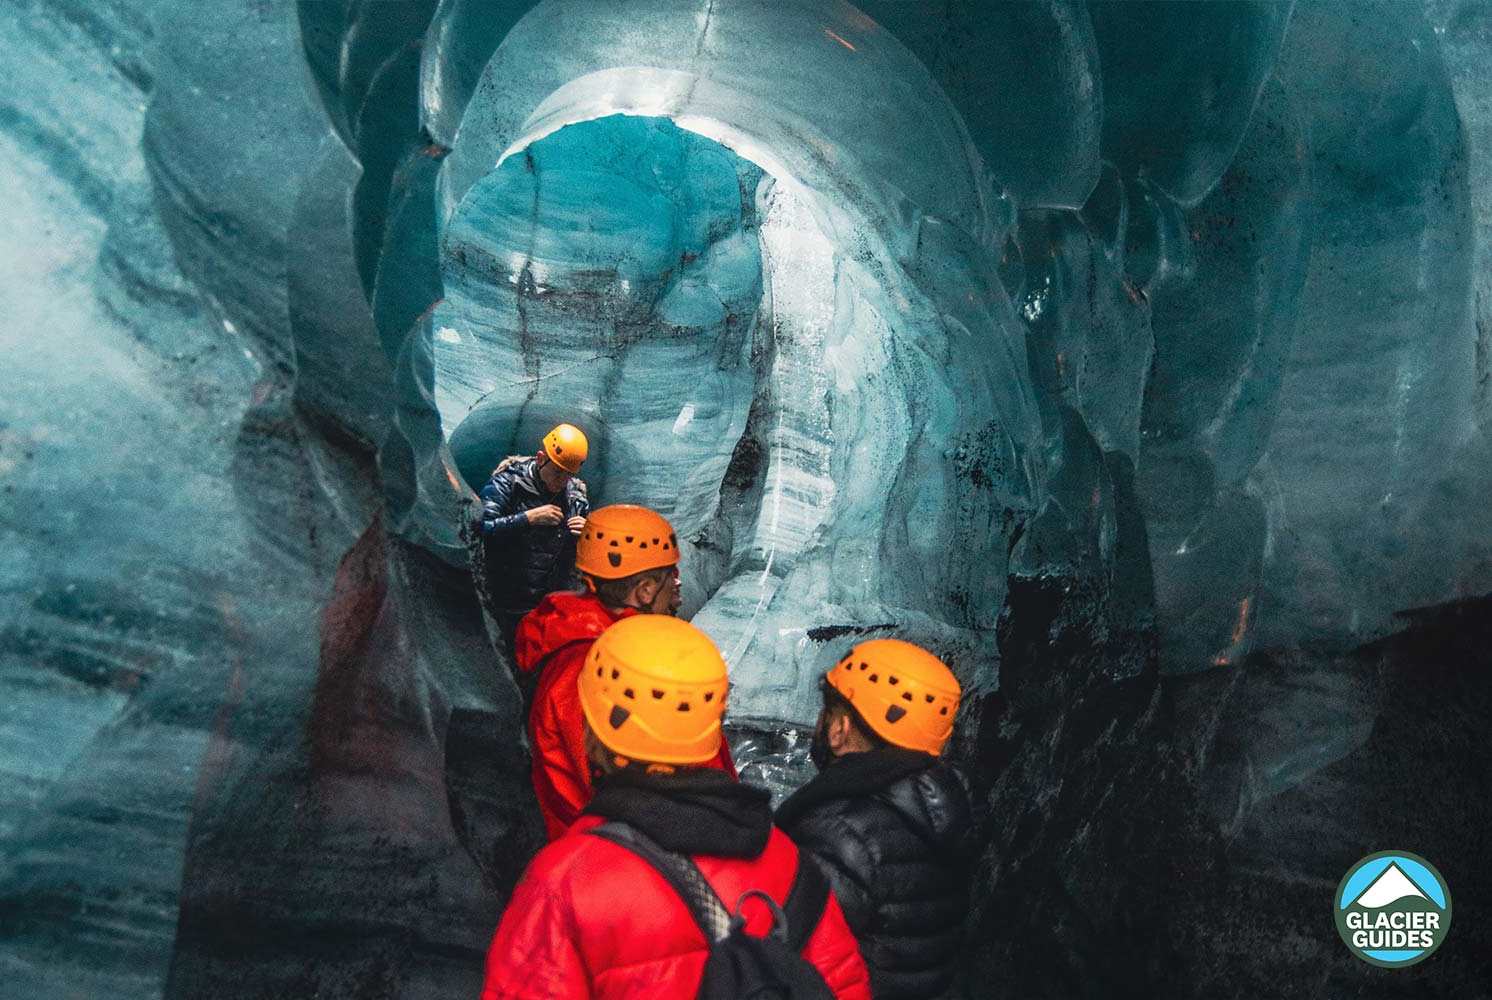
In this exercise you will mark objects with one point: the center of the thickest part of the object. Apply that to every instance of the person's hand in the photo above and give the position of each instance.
(546, 516)
(576, 525)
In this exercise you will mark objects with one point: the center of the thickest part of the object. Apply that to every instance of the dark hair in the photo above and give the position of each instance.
(615, 592)
(836, 702)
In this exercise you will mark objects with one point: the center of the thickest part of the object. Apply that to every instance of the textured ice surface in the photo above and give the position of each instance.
(1047, 331)
(135, 596)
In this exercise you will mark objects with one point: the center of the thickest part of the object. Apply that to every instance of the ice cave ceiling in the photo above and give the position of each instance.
(1083, 342)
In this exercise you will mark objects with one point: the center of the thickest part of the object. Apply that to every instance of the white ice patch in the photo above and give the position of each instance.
(448, 335)
(685, 418)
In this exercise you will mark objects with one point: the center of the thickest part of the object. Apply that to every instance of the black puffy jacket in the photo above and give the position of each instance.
(524, 562)
(891, 827)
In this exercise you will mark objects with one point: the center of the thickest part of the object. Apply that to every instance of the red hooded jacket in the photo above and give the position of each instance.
(554, 639)
(591, 920)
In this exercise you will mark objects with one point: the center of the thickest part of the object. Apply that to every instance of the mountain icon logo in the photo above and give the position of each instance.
(1393, 909)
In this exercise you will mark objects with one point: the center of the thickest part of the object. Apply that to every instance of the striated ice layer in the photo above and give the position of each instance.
(792, 441)
(133, 587)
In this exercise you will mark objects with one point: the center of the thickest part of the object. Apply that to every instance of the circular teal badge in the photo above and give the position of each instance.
(1393, 909)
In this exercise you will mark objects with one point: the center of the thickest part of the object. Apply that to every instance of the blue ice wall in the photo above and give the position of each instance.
(1177, 311)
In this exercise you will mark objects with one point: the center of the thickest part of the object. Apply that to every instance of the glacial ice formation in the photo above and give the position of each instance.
(859, 275)
(1056, 335)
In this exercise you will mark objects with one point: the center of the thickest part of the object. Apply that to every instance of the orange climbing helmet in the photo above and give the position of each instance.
(567, 447)
(653, 688)
(906, 695)
(623, 539)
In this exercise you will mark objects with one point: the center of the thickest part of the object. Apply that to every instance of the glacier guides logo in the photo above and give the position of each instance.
(1393, 909)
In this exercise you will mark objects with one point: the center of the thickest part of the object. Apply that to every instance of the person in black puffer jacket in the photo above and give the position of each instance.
(888, 820)
(533, 509)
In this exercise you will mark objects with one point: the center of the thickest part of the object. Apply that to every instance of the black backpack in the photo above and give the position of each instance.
(740, 966)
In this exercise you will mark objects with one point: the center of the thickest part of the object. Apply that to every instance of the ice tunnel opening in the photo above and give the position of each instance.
(673, 298)
(607, 274)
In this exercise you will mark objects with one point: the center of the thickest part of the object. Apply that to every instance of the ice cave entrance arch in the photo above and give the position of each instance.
(677, 298)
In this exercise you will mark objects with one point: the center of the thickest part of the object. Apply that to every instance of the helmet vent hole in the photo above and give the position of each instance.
(643, 545)
(655, 541)
(629, 539)
(709, 696)
(683, 706)
(615, 543)
(943, 710)
(657, 694)
(618, 716)
(894, 713)
(929, 699)
(629, 693)
(875, 678)
(598, 671)
(906, 696)
(615, 673)
(600, 534)
(865, 666)
(894, 680)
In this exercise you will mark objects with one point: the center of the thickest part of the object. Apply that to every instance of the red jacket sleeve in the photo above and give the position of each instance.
(533, 955)
(557, 734)
(833, 951)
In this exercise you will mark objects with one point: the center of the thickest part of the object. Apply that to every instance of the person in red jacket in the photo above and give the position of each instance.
(629, 559)
(590, 918)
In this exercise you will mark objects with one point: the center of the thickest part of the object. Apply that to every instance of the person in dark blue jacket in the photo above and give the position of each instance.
(533, 509)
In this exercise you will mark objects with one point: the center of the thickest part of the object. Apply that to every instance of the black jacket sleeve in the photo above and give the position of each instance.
(498, 515)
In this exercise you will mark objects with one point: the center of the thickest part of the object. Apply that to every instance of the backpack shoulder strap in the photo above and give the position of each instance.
(805, 902)
(548, 658)
(680, 872)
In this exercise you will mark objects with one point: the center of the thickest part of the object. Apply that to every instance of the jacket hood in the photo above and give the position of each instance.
(561, 619)
(928, 793)
(936, 802)
(699, 810)
(521, 468)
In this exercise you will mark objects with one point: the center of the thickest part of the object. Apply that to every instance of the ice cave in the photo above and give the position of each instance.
(1134, 356)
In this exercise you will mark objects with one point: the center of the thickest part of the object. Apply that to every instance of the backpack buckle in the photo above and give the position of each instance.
(779, 919)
